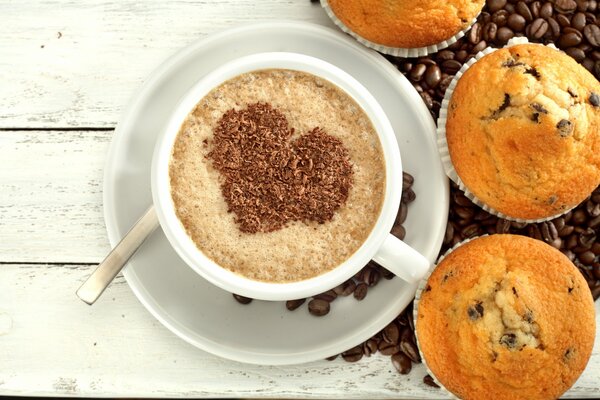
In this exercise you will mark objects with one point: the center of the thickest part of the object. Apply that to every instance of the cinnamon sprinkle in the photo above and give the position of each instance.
(268, 180)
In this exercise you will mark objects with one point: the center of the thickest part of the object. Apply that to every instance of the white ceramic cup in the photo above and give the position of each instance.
(380, 245)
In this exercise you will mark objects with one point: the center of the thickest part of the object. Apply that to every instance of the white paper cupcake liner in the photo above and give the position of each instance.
(422, 286)
(442, 142)
(396, 51)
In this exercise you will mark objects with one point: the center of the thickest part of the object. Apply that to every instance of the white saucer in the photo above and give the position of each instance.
(208, 317)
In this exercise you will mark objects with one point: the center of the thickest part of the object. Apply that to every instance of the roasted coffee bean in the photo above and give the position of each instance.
(361, 291)
(592, 209)
(549, 232)
(409, 348)
(539, 27)
(516, 22)
(587, 238)
(353, 355)
(578, 217)
(504, 35)
(428, 380)
(371, 276)
(328, 296)
(408, 196)
(433, 76)
(587, 257)
(578, 21)
(592, 34)
(500, 18)
(568, 40)
(387, 349)
(369, 347)
(535, 9)
(402, 363)
(576, 53)
(524, 11)
(482, 45)
(318, 307)
(391, 333)
(242, 299)
(416, 74)
(547, 10)
(489, 32)
(565, 6)
(398, 231)
(563, 20)
(554, 27)
(402, 214)
(470, 231)
(474, 35)
(502, 226)
(291, 305)
(495, 5)
(407, 180)
(346, 288)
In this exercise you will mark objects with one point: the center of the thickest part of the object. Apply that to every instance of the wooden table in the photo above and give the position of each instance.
(67, 69)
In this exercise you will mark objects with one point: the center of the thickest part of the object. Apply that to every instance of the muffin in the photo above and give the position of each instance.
(522, 132)
(406, 24)
(505, 317)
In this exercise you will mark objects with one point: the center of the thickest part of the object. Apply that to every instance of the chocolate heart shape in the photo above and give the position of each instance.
(269, 180)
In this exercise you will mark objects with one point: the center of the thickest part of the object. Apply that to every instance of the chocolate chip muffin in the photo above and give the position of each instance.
(506, 317)
(523, 131)
(408, 23)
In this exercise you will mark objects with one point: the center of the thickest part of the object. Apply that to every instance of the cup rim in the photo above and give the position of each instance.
(186, 248)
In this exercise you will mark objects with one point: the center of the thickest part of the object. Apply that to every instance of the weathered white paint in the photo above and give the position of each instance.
(57, 345)
(76, 63)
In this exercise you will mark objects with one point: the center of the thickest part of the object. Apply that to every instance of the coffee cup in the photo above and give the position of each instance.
(380, 245)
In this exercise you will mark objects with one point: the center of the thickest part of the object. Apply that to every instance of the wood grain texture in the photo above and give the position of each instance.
(53, 344)
(76, 63)
(51, 196)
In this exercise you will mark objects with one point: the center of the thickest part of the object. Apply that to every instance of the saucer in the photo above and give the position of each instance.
(208, 317)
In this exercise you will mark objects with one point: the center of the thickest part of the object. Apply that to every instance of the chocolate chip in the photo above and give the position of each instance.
(539, 108)
(565, 127)
(595, 99)
(533, 71)
(475, 311)
(509, 340)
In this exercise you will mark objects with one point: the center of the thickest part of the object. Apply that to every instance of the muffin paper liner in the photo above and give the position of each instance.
(418, 294)
(442, 143)
(396, 51)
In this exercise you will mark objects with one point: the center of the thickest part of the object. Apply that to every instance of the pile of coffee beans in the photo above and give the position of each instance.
(574, 27)
(366, 278)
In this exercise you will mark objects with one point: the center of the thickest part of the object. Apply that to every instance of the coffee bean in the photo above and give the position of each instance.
(398, 231)
(565, 6)
(578, 217)
(489, 32)
(592, 209)
(428, 380)
(594, 222)
(576, 53)
(563, 20)
(318, 307)
(409, 348)
(370, 347)
(451, 66)
(546, 10)
(549, 232)
(402, 363)
(407, 180)
(587, 257)
(433, 76)
(242, 299)
(569, 39)
(353, 355)
(587, 238)
(291, 305)
(578, 21)
(328, 296)
(470, 231)
(416, 74)
(387, 349)
(592, 34)
(391, 333)
(474, 35)
(504, 35)
(346, 288)
(516, 22)
(372, 275)
(500, 18)
(402, 214)
(523, 10)
(539, 27)
(495, 5)
(479, 47)
(554, 27)
(361, 291)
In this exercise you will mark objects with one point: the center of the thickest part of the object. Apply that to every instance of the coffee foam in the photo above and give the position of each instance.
(300, 250)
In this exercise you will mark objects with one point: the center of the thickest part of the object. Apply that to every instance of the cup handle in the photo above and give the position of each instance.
(401, 259)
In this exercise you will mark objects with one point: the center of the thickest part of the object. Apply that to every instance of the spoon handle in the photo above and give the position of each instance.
(114, 262)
